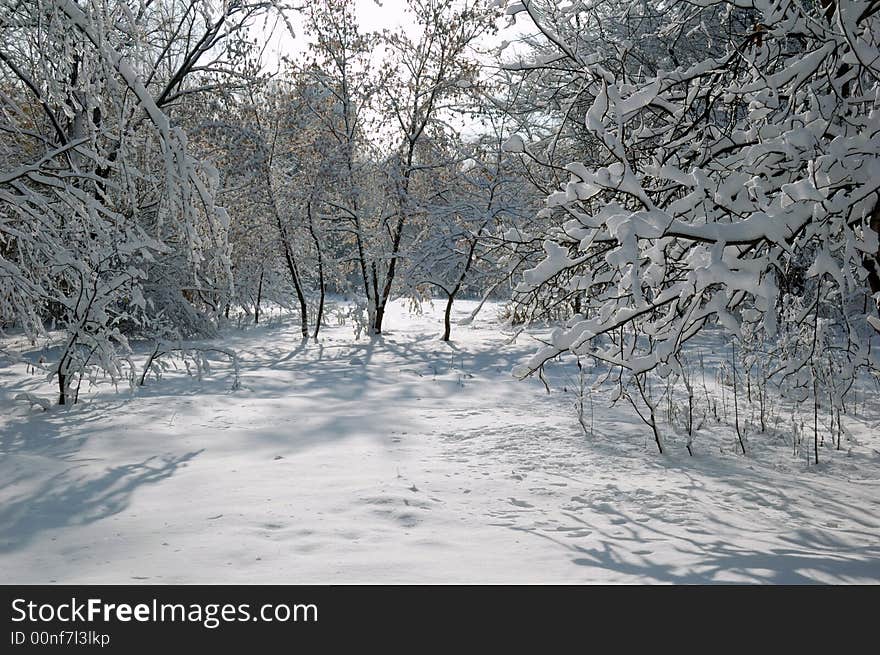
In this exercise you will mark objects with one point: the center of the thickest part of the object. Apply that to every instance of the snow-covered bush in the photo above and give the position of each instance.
(720, 179)
(108, 226)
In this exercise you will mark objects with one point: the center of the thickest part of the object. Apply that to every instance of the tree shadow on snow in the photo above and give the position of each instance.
(59, 433)
(654, 537)
(719, 561)
(68, 499)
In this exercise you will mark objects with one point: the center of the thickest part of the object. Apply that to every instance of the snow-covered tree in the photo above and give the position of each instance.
(735, 182)
(425, 78)
(721, 180)
(461, 246)
(108, 226)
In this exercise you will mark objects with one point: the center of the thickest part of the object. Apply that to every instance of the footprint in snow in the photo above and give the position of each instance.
(519, 503)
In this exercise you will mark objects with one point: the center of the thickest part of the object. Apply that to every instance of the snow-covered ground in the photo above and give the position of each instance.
(404, 459)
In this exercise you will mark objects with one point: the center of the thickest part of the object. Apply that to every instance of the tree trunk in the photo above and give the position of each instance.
(396, 237)
(446, 323)
(259, 298)
(294, 276)
(62, 387)
(288, 255)
(379, 305)
(382, 300)
(321, 283)
(461, 278)
(377, 324)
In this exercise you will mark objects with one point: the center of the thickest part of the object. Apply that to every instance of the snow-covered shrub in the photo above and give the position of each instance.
(108, 226)
(734, 182)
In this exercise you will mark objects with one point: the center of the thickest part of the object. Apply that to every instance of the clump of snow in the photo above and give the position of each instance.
(514, 144)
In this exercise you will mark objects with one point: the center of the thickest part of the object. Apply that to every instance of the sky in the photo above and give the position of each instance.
(373, 15)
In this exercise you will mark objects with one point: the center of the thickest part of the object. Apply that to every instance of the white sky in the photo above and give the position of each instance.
(373, 15)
